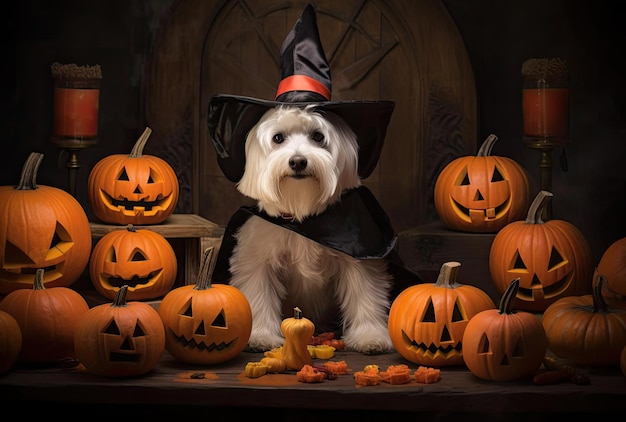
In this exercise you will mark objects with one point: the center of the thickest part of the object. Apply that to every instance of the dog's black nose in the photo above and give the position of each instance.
(297, 163)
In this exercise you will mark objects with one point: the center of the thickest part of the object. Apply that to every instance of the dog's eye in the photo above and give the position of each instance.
(318, 137)
(278, 138)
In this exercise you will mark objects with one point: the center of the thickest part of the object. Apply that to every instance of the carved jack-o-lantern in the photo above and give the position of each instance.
(41, 227)
(133, 189)
(206, 323)
(502, 344)
(427, 321)
(120, 339)
(481, 193)
(142, 259)
(552, 259)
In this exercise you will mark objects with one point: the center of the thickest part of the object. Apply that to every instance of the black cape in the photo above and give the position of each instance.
(357, 225)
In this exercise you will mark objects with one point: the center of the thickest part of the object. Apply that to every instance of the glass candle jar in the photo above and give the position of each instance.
(545, 102)
(76, 104)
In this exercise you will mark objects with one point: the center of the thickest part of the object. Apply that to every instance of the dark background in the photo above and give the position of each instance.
(499, 37)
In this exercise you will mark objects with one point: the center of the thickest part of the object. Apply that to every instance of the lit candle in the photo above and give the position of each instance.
(545, 101)
(76, 102)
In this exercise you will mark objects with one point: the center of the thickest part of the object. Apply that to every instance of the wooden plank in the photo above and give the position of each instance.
(176, 226)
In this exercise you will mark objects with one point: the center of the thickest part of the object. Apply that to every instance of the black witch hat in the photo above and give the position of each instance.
(305, 80)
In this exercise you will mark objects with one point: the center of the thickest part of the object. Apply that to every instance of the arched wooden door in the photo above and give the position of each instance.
(407, 51)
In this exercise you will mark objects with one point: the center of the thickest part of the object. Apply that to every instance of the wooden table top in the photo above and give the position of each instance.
(225, 385)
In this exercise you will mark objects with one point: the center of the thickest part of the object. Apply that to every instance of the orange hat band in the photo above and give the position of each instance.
(302, 83)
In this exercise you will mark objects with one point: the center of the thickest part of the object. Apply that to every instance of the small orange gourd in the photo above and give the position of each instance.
(48, 319)
(297, 331)
(135, 189)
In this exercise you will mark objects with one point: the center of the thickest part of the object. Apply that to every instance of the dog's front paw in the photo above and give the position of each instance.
(369, 345)
(263, 343)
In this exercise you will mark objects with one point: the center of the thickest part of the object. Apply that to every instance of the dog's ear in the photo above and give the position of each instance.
(229, 121)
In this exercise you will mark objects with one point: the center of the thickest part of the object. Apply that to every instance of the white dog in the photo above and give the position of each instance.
(316, 238)
(298, 162)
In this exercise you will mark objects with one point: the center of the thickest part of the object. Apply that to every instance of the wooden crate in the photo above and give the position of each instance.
(425, 248)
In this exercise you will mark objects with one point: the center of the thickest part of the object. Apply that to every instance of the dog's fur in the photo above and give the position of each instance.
(298, 162)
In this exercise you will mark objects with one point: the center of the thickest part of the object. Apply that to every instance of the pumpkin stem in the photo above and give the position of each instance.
(120, 297)
(485, 148)
(447, 275)
(206, 269)
(507, 299)
(537, 207)
(297, 313)
(141, 142)
(131, 228)
(28, 179)
(38, 283)
(599, 304)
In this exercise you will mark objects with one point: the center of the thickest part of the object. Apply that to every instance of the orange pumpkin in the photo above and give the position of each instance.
(205, 323)
(41, 227)
(47, 317)
(427, 321)
(10, 341)
(551, 258)
(139, 258)
(613, 266)
(585, 330)
(481, 193)
(133, 189)
(121, 339)
(503, 344)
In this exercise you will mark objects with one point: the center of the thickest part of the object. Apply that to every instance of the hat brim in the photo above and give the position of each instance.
(230, 118)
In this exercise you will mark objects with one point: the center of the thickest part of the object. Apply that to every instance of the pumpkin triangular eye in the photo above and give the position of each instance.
(138, 331)
(457, 315)
(463, 178)
(187, 310)
(138, 256)
(429, 313)
(483, 345)
(519, 349)
(555, 258)
(219, 321)
(112, 328)
(519, 263)
(123, 175)
(150, 179)
(112, 255)
(496, 176)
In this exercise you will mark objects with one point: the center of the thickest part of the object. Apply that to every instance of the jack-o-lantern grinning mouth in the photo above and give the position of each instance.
(161, 203)
(490, 213)
(134, 281)
(193, 344)
(538, 292)
(424, 349)
(124, 357)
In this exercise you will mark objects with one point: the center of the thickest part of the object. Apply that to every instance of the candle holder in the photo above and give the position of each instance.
(545, 106)
(76, 107)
